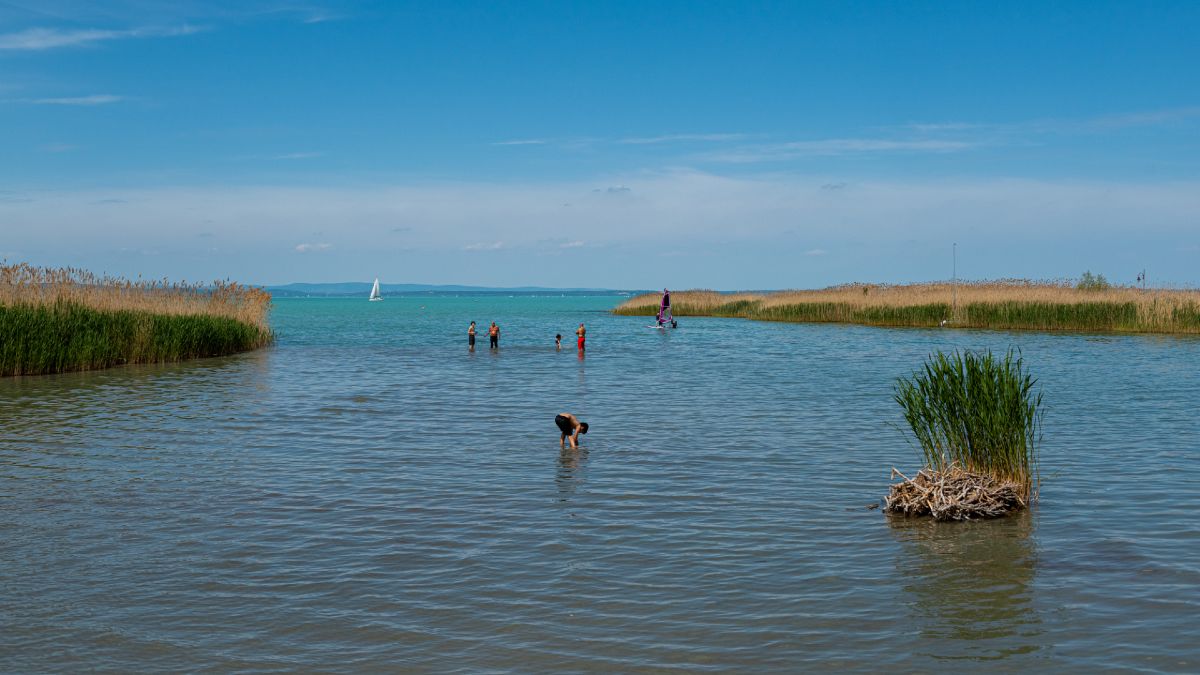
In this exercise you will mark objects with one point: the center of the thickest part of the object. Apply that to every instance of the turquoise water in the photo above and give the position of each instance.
(368, 495)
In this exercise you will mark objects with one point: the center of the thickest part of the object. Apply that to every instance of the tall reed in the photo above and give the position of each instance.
(57, 320)
(977, 411)
(1003, 304)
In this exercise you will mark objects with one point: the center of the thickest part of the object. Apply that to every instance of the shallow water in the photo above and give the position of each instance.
(368, 495)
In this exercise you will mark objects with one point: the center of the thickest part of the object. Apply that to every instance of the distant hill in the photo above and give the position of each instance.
(362, 288)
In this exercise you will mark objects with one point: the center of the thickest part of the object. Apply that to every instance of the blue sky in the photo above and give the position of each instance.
(640, 144)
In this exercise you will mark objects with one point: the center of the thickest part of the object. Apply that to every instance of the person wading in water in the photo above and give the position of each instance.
(471, 336)
(494, 335)
(571, 427)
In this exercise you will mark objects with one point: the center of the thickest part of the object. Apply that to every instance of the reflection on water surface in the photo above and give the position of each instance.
(970, 585)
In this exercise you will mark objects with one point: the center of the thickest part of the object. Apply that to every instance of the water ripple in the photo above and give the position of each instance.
(369, 496)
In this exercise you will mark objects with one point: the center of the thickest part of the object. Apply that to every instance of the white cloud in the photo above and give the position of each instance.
(298, 155)
(776, 216)
(312, 248)
(321, 17)
(94, 99)
(1086, 125)
(37, 39)
(675, 138)
(835, 146)
(527, 141)
(938, 127)
(812, 252)
(1141, 119)
(484, 246)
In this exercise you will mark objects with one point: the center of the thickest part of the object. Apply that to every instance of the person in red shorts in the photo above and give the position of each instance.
(582, 333)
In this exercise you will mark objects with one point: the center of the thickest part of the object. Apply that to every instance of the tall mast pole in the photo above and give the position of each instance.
(954, 250)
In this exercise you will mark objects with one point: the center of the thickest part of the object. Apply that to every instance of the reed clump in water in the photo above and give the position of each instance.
(1003, 304)
(977, 420)
(953, 494)
(59, 320)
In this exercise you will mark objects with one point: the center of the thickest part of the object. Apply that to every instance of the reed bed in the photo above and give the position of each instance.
(977, 420)
(58, 320)
(1003, 304)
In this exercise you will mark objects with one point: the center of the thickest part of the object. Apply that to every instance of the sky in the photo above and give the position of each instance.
(728, 145)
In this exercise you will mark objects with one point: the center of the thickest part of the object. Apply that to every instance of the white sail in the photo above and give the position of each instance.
(375, 291)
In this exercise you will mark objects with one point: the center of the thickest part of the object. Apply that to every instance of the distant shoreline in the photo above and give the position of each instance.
(357, 289)
(1006, 305)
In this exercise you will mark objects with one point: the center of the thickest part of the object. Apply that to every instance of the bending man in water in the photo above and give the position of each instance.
(571, 427)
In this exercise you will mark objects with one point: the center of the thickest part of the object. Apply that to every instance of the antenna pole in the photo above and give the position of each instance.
(954, 251)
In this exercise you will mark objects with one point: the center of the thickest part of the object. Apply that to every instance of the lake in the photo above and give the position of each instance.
(368, 495)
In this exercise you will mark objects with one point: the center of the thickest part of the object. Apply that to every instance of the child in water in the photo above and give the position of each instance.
(570, 427)
(558, 341)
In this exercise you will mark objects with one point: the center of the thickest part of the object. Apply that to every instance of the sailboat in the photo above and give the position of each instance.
(375, 296)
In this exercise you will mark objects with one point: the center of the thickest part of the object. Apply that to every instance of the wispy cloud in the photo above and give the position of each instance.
(94, 99)
(814, 252)
(59, 147)
(676, 138)
(282, 157)
(1143, 119)
(938, 127)
(1097, 124)
(313, 248)
(511, 225)
(39, 39)
(581, 142)
(484, 246)
(320, 17)
(524, 141)
(835, 147)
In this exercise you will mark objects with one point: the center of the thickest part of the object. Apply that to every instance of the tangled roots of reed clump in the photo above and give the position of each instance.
(953, 494)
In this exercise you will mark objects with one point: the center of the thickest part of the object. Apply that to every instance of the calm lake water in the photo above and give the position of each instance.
(367, 495)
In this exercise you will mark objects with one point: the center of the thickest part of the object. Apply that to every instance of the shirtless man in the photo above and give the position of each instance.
(582, 333)
(571, 427)
(493, 335)
(471, 336)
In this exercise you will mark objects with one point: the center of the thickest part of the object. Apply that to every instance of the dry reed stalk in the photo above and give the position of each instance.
(953, 494)
(24, 284)
(995, 303)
